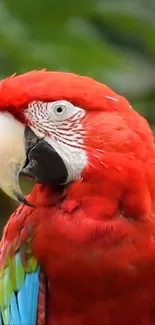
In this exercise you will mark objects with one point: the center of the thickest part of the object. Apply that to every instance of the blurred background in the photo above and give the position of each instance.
(110, 40)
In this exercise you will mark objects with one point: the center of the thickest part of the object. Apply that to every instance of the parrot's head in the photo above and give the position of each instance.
(58, 128)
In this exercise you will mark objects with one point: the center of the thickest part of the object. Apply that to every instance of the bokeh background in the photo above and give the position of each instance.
(110, 40)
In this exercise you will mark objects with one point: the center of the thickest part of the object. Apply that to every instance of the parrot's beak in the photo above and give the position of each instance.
(12, 155)
(22, 152)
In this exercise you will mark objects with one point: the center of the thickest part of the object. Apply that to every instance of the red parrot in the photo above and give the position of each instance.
(80, 249)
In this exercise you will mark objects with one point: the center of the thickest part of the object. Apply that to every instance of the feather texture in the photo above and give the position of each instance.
(19, 276)
(19, 293)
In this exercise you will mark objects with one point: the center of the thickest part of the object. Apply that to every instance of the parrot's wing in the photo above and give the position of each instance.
(22, 287)
(19, 291)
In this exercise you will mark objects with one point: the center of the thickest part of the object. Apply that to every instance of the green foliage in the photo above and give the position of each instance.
(112, 41)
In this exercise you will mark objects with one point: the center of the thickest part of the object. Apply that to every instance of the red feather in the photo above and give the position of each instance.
(17, 91)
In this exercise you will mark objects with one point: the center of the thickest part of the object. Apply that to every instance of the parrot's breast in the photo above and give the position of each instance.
(98, 273)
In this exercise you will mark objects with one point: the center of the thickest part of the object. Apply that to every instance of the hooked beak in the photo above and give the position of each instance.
(12, 155)
(22, 152)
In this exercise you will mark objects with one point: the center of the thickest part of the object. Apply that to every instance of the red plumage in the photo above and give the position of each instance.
(95, 241)
(17, 91)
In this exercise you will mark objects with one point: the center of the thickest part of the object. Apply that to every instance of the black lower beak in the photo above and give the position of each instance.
(43, 164)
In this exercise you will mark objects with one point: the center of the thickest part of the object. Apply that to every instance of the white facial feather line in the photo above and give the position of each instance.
(74, 158)
(63, 132)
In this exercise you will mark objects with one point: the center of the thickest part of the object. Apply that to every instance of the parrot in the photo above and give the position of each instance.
(80, 248)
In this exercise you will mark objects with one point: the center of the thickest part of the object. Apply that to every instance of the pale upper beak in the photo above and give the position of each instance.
(12, 154)
(22, 151)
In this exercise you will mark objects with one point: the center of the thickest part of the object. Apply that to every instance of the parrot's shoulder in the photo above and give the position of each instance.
(20, 276)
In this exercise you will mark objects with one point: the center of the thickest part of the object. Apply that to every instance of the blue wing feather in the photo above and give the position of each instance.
(28, 298)
(32, 298)
(15, 311)
(22, 307)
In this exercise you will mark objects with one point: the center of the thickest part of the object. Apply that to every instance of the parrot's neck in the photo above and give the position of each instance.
(95, 199)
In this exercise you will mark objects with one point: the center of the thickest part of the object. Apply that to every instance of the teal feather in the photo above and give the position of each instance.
(15, 311)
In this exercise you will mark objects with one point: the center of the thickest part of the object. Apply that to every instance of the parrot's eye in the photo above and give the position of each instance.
(59, 109)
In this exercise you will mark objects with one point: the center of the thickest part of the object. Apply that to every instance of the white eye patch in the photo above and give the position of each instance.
(61, 110)
(60, 124)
